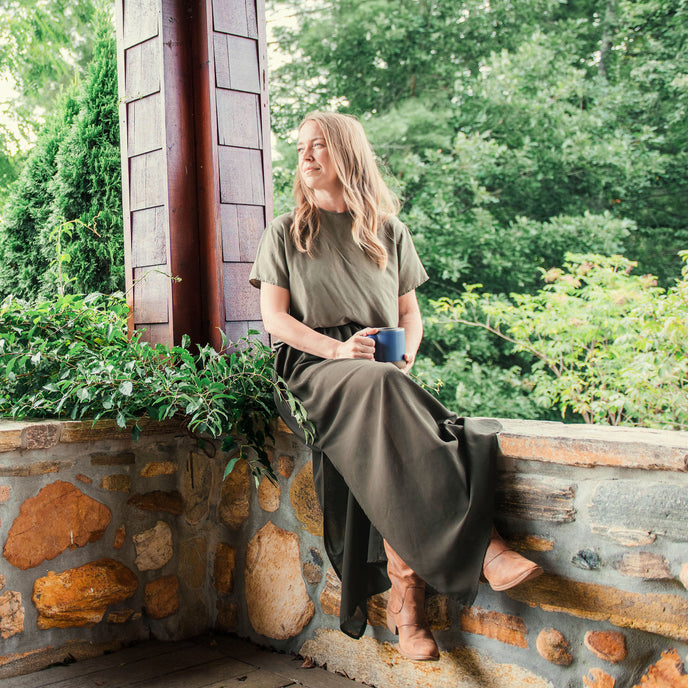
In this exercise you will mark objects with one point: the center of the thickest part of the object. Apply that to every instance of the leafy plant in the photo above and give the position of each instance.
(609, 345)
(72, 357)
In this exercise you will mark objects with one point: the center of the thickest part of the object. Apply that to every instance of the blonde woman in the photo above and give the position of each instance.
(406, 487)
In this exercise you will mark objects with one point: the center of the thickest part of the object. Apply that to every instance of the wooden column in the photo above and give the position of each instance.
(233, 154)
(195, 163)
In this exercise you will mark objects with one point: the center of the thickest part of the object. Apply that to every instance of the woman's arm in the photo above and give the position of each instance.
(274, 308)
(410, 319)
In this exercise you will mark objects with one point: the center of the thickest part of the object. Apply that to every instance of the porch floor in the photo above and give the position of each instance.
(203, 662)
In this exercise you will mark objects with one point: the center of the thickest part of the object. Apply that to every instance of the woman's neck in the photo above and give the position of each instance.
(332, 201)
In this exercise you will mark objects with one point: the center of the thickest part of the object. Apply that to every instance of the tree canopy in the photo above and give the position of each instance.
(514, 132)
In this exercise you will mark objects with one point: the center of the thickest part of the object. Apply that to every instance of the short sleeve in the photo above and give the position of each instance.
(411, 271)
(271, 265)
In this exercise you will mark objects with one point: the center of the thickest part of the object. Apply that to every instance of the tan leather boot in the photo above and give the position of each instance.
(503, 568)
(406, 610)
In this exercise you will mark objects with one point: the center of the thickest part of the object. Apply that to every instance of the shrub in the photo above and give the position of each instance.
(71, 357)
(606, 344)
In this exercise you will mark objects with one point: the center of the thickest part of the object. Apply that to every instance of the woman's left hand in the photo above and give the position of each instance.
(408, 362)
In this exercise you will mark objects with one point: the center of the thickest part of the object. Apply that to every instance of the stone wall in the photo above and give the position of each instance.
(107, 541)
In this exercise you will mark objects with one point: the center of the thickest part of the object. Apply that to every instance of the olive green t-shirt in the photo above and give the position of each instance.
(339, 284)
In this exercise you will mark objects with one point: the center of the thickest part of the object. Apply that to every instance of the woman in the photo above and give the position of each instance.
(399, 477)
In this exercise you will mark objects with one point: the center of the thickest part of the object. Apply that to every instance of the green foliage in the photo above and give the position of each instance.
(72, 178)
(607, 344)
(515, 133)
(23, 263)
(43, 47)
(87, 186)
(71, 357)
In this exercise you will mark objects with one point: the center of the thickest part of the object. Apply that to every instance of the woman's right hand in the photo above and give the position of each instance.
(359, 345)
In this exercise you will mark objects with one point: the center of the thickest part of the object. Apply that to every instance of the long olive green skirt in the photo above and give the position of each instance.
(390, 461)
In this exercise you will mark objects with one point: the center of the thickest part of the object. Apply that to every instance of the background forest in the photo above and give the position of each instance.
(539, 148)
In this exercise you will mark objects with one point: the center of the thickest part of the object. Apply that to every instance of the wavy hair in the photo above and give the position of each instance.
(367, 197)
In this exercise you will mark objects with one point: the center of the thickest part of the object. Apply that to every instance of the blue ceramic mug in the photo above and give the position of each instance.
(390, 344)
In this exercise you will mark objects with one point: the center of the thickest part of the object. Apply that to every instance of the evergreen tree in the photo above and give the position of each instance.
(71, 187)
(87, 186)
(23, 265)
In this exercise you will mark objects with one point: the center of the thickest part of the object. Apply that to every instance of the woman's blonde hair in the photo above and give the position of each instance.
(367, 197)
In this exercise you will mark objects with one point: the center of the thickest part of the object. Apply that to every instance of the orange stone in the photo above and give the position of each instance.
(668, 672)
(120, 535)
(285, 466)
(554, 647)
(532, 543)
(269, 495)
(5, 492)
(116, 483)
(84, 479)
(11, 614)
(305, 501)
(331, 595)
(223, 572)
(598, 679)
(59, 517)
(193, 560)
(506, 628)
(684, 576)
(607, 645)
(80, 596)
(161, 597)
(664, 614)
(156, 468)
(160, 501)
(276, 597)
(120, 616)
(234, 497)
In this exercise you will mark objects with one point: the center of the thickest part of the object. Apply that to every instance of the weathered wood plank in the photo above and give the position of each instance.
(236, 16)
(145, 125)
(141, 21)
(241, 176)
(155, 333)
(152, 294)
(288, 667)
(239, 328)
(147, 187)
(145, 670)
(148, 237)
(242, 301)
(216, 674)
(76, 671)
(238, 119)
(242, 227)
(141, 70)
(236, 63)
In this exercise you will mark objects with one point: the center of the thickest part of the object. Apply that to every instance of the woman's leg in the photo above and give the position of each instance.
(406, 610)
(505, 569)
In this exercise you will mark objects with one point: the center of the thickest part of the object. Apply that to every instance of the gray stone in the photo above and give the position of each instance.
(586, 559)
(655, 508)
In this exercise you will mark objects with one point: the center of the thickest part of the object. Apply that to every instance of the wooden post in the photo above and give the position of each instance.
(195, 163)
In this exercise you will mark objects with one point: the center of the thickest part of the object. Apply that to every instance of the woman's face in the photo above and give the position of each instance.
(316, 167)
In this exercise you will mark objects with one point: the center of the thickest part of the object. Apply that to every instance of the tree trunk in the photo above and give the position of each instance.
(608, 26)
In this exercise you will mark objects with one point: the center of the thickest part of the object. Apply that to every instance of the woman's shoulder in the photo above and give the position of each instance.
(394, 228)
(281, 224)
